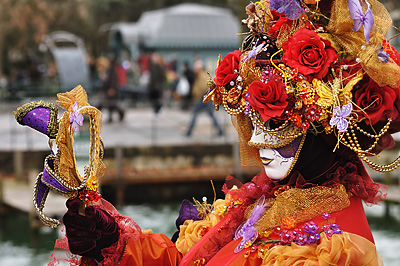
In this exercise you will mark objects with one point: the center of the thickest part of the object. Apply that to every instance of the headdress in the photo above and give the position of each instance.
(60, 172)
(313, 67)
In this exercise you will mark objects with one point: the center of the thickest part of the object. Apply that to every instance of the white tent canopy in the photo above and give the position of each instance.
(183, 26)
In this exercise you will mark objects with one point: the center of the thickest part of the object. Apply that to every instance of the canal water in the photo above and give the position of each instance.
(19, 247)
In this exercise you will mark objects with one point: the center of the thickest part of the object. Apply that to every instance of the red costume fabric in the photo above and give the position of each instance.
(157, 249)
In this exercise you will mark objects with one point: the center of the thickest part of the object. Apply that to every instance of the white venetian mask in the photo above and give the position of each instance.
(278, 149)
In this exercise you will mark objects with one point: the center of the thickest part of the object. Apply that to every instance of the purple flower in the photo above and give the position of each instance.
(291, 8)
(277, 230)
(301, 240)
(310, 228)
(287, 236)
(313, 238)
(331, 229)
(383, 57)
(329, 232)
(297, 232)
(327, 229)
(75, 117)
(326, 215)
(337, 231)
(339, 115)
(334, 225)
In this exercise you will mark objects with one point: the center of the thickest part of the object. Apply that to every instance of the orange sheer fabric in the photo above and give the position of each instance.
(151, 250)
(345, 249)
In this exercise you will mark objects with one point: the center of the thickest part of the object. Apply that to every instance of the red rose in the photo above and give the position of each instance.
(309, 53)
(376, 102)
(268, 99)
(228, 69)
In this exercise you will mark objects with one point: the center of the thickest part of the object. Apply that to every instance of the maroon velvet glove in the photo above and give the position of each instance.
(88, 235)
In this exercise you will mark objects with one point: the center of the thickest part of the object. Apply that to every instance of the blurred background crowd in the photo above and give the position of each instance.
(117, 49)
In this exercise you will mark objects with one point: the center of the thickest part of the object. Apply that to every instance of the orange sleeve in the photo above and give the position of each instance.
(150, 249)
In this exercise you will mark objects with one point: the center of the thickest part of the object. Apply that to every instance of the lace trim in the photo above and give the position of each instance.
(61, 252)
(129, 229)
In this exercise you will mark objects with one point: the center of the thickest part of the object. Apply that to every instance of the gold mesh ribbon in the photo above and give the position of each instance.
(354, 43)
(65, 142)
(249, 156)
(66, 163)
(67, 99)
(286, 31)
(302, 204)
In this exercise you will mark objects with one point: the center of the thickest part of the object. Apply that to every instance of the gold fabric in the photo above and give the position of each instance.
(249, 156)
(263, 12)
(66, 100)
(341, 249)
(301, 204)
(286, 31)
(66, 165)
(354, 43)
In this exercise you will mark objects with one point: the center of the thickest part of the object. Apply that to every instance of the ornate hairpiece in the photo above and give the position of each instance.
(309, 65)
(60, 172)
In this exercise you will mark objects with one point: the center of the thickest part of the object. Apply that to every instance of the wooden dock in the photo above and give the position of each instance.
(393, 194)
(19, 196)
(393, 197)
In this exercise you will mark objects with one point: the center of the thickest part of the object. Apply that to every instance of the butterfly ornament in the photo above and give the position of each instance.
(339, 118)
(360, 18)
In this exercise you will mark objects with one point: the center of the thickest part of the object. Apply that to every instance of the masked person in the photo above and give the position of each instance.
(313, 91)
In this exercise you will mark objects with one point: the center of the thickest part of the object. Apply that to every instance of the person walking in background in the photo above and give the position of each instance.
(156, 81)
(199, 89)
(189, 75)
(110, 89)
(172, 77)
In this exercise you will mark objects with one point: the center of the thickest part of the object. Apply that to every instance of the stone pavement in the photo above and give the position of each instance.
(139, 128)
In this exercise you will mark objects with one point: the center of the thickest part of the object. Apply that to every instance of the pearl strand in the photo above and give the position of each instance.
(381, 168)
(229, 110)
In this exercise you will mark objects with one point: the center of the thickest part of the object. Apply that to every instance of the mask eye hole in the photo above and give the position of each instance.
(273, 124)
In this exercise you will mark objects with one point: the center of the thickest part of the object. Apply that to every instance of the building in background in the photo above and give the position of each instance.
(180, 33)
(68, 55)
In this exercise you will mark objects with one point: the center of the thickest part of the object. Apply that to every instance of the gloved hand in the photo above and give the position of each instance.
(88, 235)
